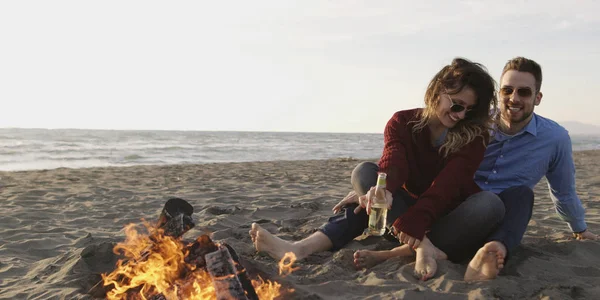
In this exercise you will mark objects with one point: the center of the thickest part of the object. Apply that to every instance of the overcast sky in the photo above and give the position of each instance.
(328, 66)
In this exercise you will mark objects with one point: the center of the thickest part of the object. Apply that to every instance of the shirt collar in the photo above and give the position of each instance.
(530, 128)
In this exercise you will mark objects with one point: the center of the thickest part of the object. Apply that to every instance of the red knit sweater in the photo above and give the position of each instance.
(439, 183)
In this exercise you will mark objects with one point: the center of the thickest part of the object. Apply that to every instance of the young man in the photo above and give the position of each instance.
(526, 148)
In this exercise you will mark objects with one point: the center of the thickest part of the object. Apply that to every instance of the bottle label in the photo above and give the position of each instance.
(381, 180)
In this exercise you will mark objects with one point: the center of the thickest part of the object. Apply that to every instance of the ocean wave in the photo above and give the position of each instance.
(43, 149)
(133, 157)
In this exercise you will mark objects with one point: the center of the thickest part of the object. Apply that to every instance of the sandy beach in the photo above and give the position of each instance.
(57, 228)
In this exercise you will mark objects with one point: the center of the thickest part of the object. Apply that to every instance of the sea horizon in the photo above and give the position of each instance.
(39, 148)
(184, 130)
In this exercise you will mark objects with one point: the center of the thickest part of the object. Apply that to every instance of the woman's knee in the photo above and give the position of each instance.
(488, 206)
(364, 176)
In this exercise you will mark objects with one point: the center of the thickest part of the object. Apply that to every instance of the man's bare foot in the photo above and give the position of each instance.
(487, 263)
(425, 263)
(264, 241)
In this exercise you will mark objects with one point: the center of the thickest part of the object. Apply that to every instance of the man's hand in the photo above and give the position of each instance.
(586, 235)
(363, 202)
(352, 197)
(366, 201)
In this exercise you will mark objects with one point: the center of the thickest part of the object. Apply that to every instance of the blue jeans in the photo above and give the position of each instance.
(459, 234)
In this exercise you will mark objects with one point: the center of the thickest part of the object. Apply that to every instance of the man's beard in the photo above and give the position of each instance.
(525, 116)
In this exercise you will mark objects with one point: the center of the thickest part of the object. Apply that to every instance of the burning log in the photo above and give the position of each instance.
(182, 265)
(223, 273)
(176, 217)
(242, 274)
(204, 253)
(198, 250)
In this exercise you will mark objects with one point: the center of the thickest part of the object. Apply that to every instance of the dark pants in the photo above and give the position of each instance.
(518, 203)
(459, 234)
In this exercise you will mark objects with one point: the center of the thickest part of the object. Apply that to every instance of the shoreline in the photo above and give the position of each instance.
(583, 152)
(195, 164)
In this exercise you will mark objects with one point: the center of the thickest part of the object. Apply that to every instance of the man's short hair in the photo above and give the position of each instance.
(522, 64)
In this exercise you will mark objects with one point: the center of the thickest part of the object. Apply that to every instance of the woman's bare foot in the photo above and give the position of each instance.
(425, 263)
(264, 241)
(367, 258)
(487, 263)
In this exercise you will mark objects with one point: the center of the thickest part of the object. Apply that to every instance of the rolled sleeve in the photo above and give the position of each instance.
(561, 183)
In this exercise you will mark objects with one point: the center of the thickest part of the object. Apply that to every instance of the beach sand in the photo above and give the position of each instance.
(57, 228)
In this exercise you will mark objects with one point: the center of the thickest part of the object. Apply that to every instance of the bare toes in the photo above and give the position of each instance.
(420, 275)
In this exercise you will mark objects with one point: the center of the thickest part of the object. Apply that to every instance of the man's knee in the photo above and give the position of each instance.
(525, 191)
(520, 193)
(364, 176)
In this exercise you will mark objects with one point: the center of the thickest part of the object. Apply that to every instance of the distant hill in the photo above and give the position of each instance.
(580, 128)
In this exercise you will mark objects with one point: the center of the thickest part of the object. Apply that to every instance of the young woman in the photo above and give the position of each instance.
(430, 156)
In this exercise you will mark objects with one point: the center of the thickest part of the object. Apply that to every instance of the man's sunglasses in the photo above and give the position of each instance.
(455, 107)
(522, 92)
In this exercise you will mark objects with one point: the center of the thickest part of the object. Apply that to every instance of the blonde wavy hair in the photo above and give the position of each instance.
(451, 80)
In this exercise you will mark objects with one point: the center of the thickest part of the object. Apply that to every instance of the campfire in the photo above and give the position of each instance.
(159, 264)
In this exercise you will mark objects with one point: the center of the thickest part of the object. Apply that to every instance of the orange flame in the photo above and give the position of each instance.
(267, 289)
(271, 289)
(154, 267)
(155, 264)
(285, 268)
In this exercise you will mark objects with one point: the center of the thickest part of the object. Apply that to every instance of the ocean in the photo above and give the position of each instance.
(36, 149)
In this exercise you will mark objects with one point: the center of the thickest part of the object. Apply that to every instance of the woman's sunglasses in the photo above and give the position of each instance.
(522, 92)
(455, 107)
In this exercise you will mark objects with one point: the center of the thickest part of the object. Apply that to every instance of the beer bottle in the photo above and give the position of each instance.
(377, 218)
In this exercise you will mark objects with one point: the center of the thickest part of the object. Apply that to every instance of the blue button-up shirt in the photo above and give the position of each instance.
(542, 148)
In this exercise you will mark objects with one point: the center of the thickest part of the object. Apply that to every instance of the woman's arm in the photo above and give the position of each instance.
(445, 191)
(393, 160)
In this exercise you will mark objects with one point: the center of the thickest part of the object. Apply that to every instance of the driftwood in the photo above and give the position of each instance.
(222, 263)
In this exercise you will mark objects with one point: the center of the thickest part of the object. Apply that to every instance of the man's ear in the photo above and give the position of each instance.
(538, 98)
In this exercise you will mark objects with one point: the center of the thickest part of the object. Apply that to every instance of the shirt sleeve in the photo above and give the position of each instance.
(445, 192)
(561, 183)
(393, 160)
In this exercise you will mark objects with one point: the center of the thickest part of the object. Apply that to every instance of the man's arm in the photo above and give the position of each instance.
(561, 183)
